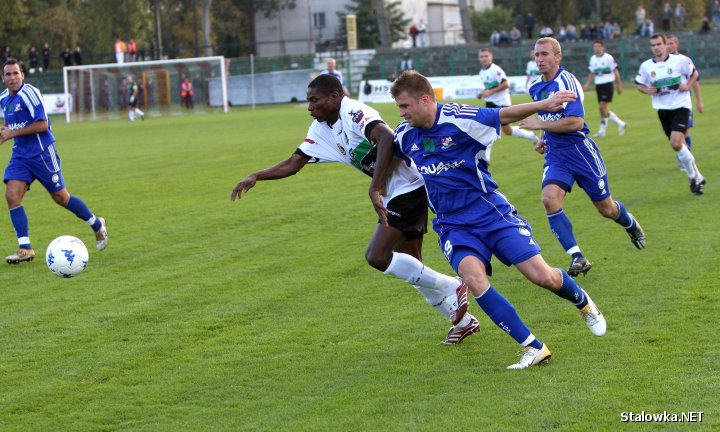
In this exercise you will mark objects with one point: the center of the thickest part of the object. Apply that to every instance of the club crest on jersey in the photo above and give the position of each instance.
(428, 144)
(342, 150)
(18, 107)
(669, 71)
(357, 116)
(446, 142)
(652, 74)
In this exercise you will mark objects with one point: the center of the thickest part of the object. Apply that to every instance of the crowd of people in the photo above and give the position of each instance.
(39, 62)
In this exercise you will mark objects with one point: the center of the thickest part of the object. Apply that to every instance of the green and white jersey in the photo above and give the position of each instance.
(492, 77)
(345, 142)
(666, 76)
(603, 67)
(532, 70)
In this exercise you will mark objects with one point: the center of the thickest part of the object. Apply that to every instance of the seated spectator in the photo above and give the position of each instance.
(648, 28)
(571, 32)
(705, 26)
(584, 32)
(515, 35)
(546, 32)
(495, 38)
(562, 34)
(504, 37)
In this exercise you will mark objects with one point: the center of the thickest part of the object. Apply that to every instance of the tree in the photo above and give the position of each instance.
(468, 32)
(367, 22)
(497, 18)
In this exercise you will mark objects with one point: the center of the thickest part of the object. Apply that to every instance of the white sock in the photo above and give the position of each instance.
(131, 115)
(603, 125)
(437, 288)
(137, 110)
(688, 162)
(522, 133)
(615, 119)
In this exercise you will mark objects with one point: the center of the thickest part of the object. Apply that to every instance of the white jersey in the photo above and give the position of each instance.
(603, 67)
(345, 142)
(666, 76)
(532, 70)
(492, 77)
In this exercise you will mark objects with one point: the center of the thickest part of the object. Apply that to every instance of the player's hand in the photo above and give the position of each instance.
(651, 90)
(376, 198)
(557, 100)
(700, 107)
(585, 86)
(540, 146)
(531, 123)
(683, 87)
(243, 187)
(5, 134)
(619, 91)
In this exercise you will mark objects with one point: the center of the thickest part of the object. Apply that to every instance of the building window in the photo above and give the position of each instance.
(319, 20)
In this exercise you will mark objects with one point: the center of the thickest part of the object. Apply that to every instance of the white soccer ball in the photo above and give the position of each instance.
(66, 256)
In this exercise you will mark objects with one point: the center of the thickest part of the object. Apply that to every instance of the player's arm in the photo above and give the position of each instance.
(698, 98)
(385, 163)
(618, 81)
(564, 125)
(37, 127)
(280, 170)
(590, 79)
(553, 103)
(691, 82)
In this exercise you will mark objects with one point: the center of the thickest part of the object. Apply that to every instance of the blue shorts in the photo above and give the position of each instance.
(581, 163)
(495, 229)
(44, 168)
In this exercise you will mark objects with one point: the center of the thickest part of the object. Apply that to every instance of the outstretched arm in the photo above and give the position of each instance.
(283, 169)
(382, 136)
(555, 102)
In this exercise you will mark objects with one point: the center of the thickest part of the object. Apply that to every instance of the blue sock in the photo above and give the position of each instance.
(561, 226)
(688, 142)
(20, 223)
(504, 315)
(571, 291)
(78, 207)
(623, 218)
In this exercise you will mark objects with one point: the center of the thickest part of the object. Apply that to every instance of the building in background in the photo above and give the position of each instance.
(313, 25)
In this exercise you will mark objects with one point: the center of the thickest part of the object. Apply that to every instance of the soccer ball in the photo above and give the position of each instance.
(66, 256)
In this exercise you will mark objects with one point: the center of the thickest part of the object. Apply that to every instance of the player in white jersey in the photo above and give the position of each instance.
(673, 47)
(668, 79)
(571, 157)
(497, 94)
(348, 131)
(603, 72)
(475, 222)
(531, 70)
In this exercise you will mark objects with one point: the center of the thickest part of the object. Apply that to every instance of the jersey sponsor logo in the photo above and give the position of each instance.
(428, 144)
(414, 148)
(18, 107)
(550, 116)
(357, 116)
(16, 126)
(441, 167)
(446, 142)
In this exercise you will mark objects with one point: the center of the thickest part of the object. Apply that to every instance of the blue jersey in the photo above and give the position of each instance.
(451, 158)
(23, 109)
(540, 90)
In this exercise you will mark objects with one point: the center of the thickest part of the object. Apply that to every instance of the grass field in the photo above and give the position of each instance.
(261, 315)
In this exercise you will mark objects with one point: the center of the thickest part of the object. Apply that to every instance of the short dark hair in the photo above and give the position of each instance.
(10, 61)
(414, 83)
(327, 84)
(659, 36)
(598, 41)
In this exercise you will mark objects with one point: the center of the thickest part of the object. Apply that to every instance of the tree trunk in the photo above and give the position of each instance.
(207, 44)
(468, 32)
(383, 23)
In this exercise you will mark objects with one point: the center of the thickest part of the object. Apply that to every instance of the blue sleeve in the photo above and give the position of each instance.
(574, 109)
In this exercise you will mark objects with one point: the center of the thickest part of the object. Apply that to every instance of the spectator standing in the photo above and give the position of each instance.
(715, 12)
(46, 56)
(66, 57)
(413, 34)
(515, 36)
(132, 50)
(33, 57)
(77, 56)
(331, 70)
(107, 104)
(530, 25)
(639, 19)
(186, 93)
(123, 94)
(679, 17)
(422, 29)
(667, 16)
(120, 49)
(198, 88)
(648, 29)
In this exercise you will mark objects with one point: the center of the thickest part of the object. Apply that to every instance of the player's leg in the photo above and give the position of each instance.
(54, 182)
(618, 121)
(616, 211)
(519, 132)
(500, 310)
(14, 194)
(556, 280)
(602, 104)
(675, 126)
(553, 195)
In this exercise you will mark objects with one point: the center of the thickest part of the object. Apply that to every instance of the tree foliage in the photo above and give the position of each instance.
(488, 20)
(367, 22)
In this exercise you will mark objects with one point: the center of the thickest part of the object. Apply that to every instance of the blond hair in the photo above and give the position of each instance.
(552, 41)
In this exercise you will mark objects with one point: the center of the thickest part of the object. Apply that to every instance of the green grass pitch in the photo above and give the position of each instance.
(262, 315)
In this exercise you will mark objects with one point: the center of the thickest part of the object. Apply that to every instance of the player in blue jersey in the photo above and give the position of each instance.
(346, 131)
(34, 157)
(447, 143)
(571, 156)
